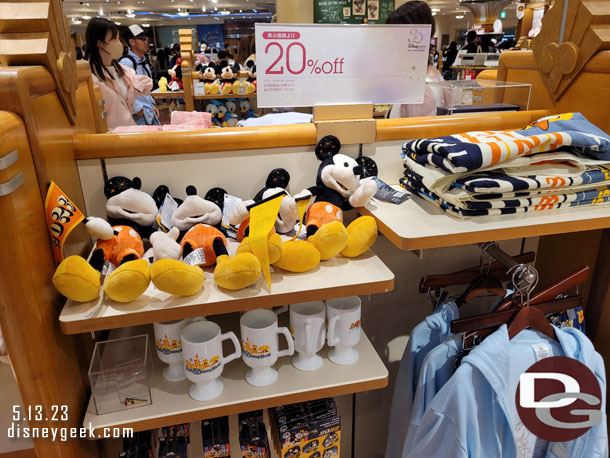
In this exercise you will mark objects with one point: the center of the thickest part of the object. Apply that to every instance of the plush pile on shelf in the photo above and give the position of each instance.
(556, 162)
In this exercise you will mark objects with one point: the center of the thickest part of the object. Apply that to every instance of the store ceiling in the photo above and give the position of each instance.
(165, 12)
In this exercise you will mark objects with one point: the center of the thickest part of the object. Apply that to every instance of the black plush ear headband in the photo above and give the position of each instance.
(327, 147)
(117, 185)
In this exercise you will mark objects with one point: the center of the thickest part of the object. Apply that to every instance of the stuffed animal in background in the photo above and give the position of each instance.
(250, 83)
(245, 110)
(176, 73)
(231, 116)
(163, 86)
(293, 256)
(194, 228)
(213, 107)
(207, 73)
(131, 213)
(228, 78)
(339, 187)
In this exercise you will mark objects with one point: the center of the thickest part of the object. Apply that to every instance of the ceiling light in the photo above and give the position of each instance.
(77, 22)
(130, 15)
(240, 11)
(183, 13)
(86, 18)
(215, 8)
(101, 12)
(203, 8)
(117, 22)
(435, 10)
(225, 12)
(145, 25)
(433, 13)
(214, 1)
(460, 16)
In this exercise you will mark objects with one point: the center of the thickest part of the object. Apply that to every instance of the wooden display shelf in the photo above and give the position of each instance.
(171, 403)
(228, 96)
(416, 224)
(167, 94)
(337, 277)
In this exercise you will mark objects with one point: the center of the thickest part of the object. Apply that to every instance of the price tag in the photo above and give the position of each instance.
(108, 268)
(313, 64)
(386, 193)
(163, 220)
(195, 258)
(229, 203)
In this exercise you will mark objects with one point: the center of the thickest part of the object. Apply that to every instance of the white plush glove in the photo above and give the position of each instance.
(240, 212)
(288, 215)
(99, 228)
(364, 193)
(165, 246)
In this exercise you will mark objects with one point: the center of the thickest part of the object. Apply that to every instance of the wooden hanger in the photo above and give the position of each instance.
(481, 326)
(483, 284)
(463, 277)
(532, 318)
(550, 292)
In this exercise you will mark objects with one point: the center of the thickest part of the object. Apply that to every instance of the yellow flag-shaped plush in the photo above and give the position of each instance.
(62, 216)
(302, 206)
(262, 219)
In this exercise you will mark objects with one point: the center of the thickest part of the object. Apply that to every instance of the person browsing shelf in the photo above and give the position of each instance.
(119, 84)
(145, 111)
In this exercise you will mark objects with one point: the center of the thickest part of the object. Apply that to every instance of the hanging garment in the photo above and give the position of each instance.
(476, 150)
(424, 337)
(474, 413)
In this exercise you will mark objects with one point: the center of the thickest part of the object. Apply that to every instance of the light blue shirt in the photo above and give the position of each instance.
(474, 413)
(145, 102)
(424, 337)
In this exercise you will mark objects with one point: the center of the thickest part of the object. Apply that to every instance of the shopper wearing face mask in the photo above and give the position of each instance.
(119, 85)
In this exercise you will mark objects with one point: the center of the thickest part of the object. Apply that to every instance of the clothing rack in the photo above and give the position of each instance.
(528, 275)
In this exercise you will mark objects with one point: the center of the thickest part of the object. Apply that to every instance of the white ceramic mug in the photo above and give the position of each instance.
(203, 358)
(169, 346)
(343, 329)
(260, 345)
(308, 328)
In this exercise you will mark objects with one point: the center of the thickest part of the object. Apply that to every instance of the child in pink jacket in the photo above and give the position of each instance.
(119, 85)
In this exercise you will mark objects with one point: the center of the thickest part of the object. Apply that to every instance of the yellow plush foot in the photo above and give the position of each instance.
(250, 88)
(128, 281)
(77, 280)
(298, 256)
(274, 245)
(330, 239)
(176, 277)
(236, 86)
(362, 233)
(226, 89)
(214, 88)
(237, 272)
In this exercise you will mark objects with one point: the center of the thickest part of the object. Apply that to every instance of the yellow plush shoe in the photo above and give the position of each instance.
(237, 272)
(176, 277)
(226, 89)
(214, 88)
(274, 246)
(330, 239)
(236, 86)
(250, 89)
(298, 256)
(362, 233)
(128, 281)
(77, 280)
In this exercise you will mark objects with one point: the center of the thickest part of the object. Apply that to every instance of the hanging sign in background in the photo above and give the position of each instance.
(308, 65)
(352, 11)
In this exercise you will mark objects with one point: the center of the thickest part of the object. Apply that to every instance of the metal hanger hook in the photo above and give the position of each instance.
(524, 280)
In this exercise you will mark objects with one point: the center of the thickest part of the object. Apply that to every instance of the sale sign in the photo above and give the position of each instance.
(306, 65)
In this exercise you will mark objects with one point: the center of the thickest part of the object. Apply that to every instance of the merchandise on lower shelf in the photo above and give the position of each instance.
(215, 437)
(253, 439)
(174, 440)
(307, 430)
(137, 446)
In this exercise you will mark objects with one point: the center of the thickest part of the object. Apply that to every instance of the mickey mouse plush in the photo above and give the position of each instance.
(207, 73)
(176, 73)
(339, 187)
(131, 213)
(250, 83)
(194, 228)
(228, 78)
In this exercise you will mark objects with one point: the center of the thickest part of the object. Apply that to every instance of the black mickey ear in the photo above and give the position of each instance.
(136, 183)
(327, 147)
(216, 195)
(116, 185)
(369, 166)
(250, 63)
(191, 190)
(159, 194)
(278, 178)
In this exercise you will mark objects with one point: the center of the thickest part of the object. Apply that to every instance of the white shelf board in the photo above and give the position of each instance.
(172, 403)
(416, 224)
(337, 277)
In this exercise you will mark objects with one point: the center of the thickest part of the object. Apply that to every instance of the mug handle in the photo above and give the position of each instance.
(332, 324)
(290, 350)
(310, 345)
(231, 335)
